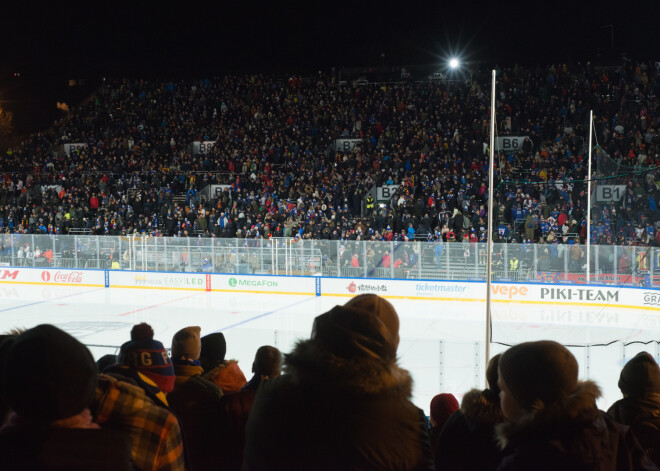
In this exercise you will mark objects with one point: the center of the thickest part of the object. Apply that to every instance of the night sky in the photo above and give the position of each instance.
(49, 43)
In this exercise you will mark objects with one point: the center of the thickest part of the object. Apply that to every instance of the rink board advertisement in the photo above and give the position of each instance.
(158, 280)
(54, 276)
(298, 285)
(517, 293)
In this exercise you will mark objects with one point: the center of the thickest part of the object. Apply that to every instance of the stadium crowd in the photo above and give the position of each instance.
(274, 151)
(342, 402)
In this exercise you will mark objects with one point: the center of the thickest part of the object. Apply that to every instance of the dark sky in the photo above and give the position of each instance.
(48, 42)
(192, 36)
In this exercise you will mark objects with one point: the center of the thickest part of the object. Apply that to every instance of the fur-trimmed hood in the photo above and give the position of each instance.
(482, 407)
(312, 364)
(562, 422)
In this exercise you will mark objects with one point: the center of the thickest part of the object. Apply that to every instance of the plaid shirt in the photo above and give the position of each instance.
(154, 430)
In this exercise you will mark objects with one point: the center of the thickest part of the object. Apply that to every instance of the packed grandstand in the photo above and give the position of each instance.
(261, 156)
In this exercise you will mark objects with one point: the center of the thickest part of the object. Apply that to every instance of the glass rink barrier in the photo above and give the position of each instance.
(537, 263)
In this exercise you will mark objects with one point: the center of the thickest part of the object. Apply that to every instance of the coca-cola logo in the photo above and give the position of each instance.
(63, 276)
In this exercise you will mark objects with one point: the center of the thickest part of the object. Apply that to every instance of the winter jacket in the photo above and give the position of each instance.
(227, 376)
(154, 430)
(334, 413)
(196, 403)
(32, 447)
(642, 414)
(235, 409)
(571, 435)
(470, 428)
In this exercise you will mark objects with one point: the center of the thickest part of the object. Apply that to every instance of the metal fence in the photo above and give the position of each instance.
(551, 263)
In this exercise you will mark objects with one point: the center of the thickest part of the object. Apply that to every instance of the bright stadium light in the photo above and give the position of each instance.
(454, 63)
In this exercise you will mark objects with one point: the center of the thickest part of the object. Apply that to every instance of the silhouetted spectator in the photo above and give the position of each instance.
(343, 403)
(472, 428)
(224, 373)
(552, 419)
(640, 407)
(48, 380)
(196, 403)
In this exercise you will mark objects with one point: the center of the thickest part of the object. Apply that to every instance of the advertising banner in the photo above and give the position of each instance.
(52, 276)
(156, 280)
(296, 285)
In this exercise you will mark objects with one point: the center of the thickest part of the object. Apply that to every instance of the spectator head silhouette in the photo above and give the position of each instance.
(640, 376)
(367, 325)
(533, 375)
(267, 362)
(47, 375)
(214, 349)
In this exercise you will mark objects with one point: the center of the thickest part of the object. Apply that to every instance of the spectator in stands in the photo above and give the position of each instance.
(640, 407)
(443, 407)
(154, 430)
(236, 407)
(343, 403)
(552, 419)
(195, 401)
(226, 374)
(472, 428)
(48, 380)
(144, 362)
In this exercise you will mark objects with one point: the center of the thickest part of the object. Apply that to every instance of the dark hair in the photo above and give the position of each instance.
(267, 361)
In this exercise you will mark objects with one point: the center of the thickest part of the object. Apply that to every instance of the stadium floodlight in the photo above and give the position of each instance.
(454, 63)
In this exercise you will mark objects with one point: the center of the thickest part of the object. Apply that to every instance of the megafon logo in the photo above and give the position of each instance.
(232, 282)
(45, 276)
(352, 287)
(9, 274)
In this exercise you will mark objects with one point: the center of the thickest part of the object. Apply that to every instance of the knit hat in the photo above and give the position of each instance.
(187, 344)
(214, 349)
(47, 374)
(382, 308)
(538, 371)
(640, 376)
(442, 407)
(148, 356)
(350, 331)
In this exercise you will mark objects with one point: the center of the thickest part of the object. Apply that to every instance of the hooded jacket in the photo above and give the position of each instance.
(642, 414)
(571, 434)
(470, 428)
(333, 412)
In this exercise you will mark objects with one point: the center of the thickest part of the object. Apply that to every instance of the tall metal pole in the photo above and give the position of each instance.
(491, 203)
(591, 122)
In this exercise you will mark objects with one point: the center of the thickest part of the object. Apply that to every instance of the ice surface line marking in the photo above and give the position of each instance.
(261, 315)
(49, 300)
(160, 304)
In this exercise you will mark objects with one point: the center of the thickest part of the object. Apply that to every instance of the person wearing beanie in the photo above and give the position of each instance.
(552, 421)
(640, 407)
(196, 402)
(144, 362)
(226, 374)
(471, 428)
(442, 407)
(343, 402)
(48, 379)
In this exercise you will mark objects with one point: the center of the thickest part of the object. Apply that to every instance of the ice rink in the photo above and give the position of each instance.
(442, 343)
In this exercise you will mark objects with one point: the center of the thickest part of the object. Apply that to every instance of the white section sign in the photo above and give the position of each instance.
(608, 193)
(346, 145)
(201, 147)
(385, 193)
(69, 148)
(509, 143)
